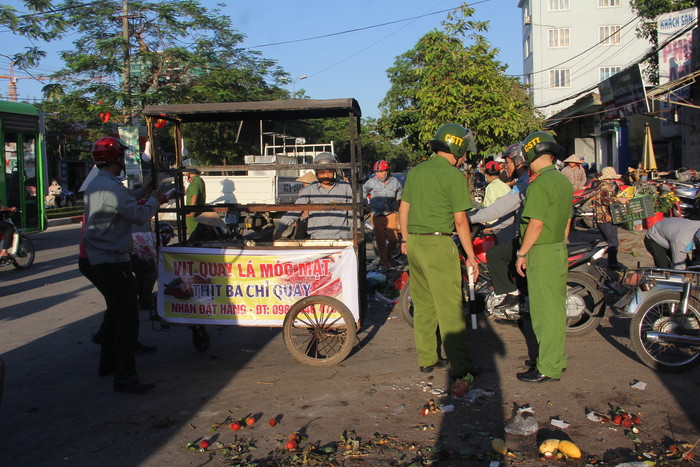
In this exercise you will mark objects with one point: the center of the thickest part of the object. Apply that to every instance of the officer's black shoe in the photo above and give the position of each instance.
(132, 385)
(441, 363)
(510, 301)
(533, 364)
(533, 375)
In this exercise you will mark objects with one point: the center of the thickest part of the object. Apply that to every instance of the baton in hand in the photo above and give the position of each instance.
(470, 275)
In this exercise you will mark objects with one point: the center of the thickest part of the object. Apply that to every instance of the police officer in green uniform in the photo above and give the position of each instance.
(433, 206)
(196, 195)
(544, 226)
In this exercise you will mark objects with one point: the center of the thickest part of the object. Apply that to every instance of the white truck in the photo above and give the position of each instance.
(260, 186)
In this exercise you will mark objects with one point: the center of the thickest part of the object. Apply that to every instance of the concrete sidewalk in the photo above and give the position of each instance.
(63, 221)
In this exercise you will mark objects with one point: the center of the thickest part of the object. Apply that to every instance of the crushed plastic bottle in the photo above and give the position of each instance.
(523, 422)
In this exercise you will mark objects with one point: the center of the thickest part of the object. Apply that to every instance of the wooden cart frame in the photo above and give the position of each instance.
(318, 330)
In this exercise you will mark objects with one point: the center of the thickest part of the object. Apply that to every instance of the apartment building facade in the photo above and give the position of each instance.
(569, 46)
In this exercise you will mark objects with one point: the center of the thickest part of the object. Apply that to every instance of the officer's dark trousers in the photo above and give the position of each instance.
(500, 259)
(121, 321)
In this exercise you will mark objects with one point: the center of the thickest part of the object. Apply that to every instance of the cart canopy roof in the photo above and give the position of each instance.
(264, 110)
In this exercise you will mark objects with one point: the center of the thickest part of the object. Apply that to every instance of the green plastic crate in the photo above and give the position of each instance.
(639, 207)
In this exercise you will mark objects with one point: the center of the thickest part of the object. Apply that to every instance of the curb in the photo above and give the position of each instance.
(64, 221)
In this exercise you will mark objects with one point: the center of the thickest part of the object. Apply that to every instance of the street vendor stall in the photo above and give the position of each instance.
(313, 289)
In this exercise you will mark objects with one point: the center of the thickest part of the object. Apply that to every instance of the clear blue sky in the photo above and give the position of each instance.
(343, 65)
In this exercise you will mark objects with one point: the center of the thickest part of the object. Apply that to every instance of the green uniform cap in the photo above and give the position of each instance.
(532, 149)
(455, 139)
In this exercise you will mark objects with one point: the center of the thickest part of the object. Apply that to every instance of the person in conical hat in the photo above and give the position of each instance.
(574, 171)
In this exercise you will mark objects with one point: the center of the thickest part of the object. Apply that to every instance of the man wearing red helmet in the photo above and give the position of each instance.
(110, 211)
(384, 194)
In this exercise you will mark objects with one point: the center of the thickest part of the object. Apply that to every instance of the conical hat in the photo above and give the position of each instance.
(308, 177)
(572, 158)
(210, 218)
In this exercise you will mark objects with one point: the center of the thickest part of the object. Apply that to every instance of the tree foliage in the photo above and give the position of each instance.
(172, 44)
(443, 80)
(178, 52)
(41, 23)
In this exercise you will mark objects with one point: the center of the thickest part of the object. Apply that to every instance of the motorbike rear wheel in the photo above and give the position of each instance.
(587, 220)
(659, 313)
(404, 307)
(25, 254)
(585, 304)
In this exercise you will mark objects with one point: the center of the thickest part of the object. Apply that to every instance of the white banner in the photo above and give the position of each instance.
(250, 287)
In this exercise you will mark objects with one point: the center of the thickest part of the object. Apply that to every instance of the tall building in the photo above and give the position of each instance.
(569, 46)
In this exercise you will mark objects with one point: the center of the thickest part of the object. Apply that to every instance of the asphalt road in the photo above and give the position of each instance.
(57, 411)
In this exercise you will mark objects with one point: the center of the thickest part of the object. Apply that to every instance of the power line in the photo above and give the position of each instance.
(601, 59)
(581, 53)
(652, 50)
(348, 31)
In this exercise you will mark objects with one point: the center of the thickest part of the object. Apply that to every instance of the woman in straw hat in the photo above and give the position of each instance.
(607, 192)
(210, 227)
(574, 172)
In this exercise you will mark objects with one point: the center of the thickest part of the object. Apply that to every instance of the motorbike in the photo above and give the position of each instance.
(583, 205)
(585, 301)
(21, 252)
(664, 307)
(583, 213)
(688, 194)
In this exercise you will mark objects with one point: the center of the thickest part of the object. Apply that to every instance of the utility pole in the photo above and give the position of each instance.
(126, 74)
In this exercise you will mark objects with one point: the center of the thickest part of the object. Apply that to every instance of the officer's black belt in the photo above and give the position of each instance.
(432, 233)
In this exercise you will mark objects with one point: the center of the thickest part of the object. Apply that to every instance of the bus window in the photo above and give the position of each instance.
(31, 204)
(11, 170)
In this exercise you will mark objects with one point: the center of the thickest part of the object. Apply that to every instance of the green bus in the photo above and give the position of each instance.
(23, 157)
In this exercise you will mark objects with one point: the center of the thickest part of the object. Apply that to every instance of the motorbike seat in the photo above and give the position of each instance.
(579, 247)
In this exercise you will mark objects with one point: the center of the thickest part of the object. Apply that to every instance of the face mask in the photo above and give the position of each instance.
(326, 179)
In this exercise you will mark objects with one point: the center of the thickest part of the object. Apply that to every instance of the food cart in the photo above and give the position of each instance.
(313, 289)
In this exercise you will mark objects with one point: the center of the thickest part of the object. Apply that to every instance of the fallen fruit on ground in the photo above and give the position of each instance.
(204, 444)
(549, 446)
(569, 448)
(460, 387)
(499, 446)
(250, 421)
(291, 445)
(272, 422)
(235, 426)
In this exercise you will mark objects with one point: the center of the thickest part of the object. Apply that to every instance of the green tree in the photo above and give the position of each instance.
(178, 52)
(649, 10)
(41, 23)
(443, 80)
(172, 47)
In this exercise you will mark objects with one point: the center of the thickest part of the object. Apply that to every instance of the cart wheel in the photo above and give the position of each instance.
(200, 338)
(319, 331)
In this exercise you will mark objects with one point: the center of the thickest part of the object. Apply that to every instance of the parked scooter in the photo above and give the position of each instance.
(664, 305)
(583, 205)
(585, 302)
(583, 213)
(21, 252)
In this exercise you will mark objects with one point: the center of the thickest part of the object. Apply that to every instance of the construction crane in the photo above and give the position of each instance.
(13, 82)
